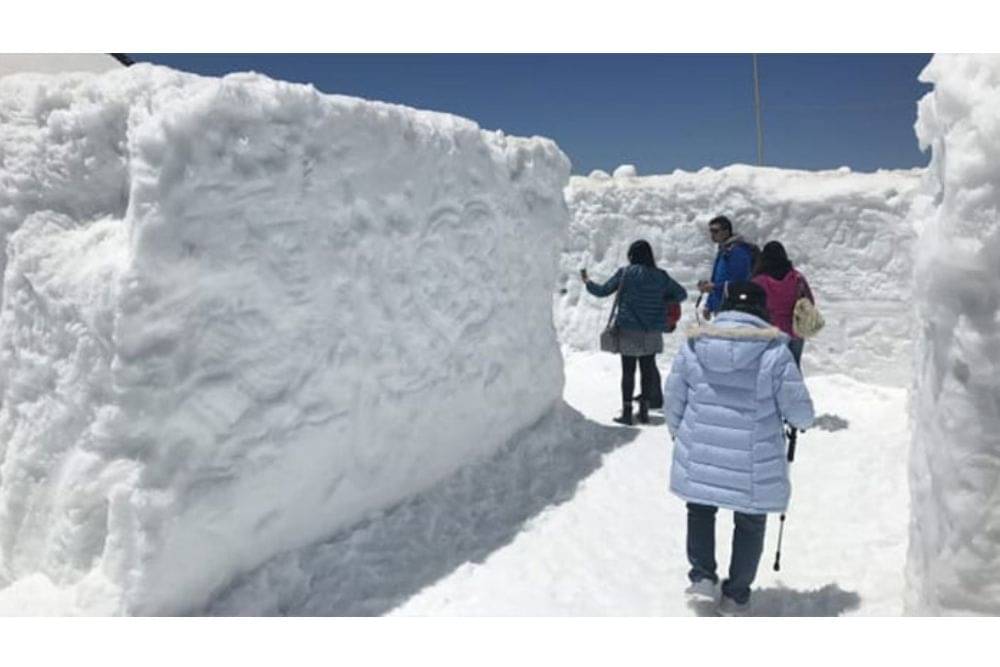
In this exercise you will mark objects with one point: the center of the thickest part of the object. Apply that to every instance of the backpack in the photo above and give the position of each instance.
(754, 251)
(673, 315)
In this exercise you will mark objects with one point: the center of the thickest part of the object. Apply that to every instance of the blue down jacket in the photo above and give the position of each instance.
(731, 385)
(643, 304)
(733, 263)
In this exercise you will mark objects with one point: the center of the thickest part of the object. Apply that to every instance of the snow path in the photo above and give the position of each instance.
(575, 518)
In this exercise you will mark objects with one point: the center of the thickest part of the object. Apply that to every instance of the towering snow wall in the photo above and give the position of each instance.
(239, 315)
(954, 554)
(847, 232)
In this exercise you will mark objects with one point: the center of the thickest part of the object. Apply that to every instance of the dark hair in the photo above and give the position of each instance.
(640, 252)
(746, 297)
(773, 261)
(723, 222)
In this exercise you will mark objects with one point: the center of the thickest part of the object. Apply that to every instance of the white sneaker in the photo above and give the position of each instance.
(730, 607)
(705, 589)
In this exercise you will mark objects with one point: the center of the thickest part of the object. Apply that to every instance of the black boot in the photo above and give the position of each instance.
(643, 416)
(626, 416)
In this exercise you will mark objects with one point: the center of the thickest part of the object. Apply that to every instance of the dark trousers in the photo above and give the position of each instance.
(648, 376)
(748, 545)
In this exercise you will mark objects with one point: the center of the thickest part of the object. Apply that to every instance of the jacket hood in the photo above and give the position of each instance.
(733, 340)
(730, 242)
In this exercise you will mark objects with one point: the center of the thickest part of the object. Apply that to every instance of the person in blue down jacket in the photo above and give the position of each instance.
(731, 385)
(642, 320)
(733, 263)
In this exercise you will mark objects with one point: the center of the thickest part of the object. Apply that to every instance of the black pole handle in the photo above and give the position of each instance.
(793, 435)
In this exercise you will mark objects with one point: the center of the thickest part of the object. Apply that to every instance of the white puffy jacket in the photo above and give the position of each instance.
(732, 384)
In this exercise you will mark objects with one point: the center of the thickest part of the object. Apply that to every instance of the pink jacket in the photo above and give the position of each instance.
(782, 295)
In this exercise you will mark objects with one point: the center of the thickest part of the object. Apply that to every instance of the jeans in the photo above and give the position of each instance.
(647, 371)
(796, 345)
(748, 545)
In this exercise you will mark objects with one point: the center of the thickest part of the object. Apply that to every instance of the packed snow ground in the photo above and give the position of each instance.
(575, 518)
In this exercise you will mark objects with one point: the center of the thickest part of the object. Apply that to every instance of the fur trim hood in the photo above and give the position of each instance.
(734, 333)
(732, 341)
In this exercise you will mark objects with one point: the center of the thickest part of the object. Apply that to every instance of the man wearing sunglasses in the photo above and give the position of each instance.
(733, 263)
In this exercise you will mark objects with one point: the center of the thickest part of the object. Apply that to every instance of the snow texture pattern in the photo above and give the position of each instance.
(954, 553)
(239, 315)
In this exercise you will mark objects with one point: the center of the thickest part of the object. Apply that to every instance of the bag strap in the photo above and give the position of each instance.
(800, 287)
(618, 293)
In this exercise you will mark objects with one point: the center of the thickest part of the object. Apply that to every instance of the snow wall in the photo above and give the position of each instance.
(239, 315)
(848, 232)
(954, 554)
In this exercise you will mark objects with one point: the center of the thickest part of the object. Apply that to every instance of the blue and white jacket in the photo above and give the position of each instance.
(732, 384)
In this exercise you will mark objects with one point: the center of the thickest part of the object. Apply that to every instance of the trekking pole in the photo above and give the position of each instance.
(792, 437)
(777, 556)
(697, 308)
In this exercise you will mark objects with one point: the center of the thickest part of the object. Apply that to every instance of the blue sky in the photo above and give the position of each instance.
(658, 111)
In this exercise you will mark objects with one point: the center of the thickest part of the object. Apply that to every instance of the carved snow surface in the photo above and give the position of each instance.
(239, 315)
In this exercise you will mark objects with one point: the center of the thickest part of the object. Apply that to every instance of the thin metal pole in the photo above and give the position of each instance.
(756, 99)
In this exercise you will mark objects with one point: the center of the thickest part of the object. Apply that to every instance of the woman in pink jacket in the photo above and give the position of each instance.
(784, 286)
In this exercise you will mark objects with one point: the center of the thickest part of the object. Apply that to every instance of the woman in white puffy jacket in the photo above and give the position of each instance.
(732, 385)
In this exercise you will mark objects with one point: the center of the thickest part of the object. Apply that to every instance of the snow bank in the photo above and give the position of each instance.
(846, 231)
(954, 554)
(239, 315)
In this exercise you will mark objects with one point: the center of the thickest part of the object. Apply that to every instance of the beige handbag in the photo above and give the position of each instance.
(806, 318)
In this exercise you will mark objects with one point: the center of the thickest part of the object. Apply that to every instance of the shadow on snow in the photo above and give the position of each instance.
(831, 423)
(830, 600)
(376, 565)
